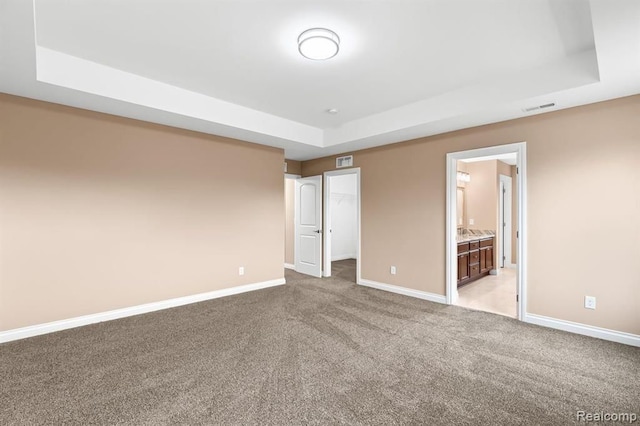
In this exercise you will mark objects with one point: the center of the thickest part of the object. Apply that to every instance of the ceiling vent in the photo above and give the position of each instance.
(552, 104)
(346, 161)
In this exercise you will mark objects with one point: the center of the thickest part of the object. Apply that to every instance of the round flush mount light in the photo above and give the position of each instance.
(332, 111)
(318, 44)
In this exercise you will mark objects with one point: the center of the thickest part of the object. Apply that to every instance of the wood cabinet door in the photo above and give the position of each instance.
(483, 260)
(489, 257)
(463, 267)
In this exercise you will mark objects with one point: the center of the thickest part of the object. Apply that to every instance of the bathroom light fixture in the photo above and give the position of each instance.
(318, 44)
(464, 177)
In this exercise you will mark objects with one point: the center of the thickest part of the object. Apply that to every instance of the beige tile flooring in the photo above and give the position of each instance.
(494, 293)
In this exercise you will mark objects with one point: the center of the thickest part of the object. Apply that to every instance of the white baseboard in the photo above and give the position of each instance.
(494, 272)
(343, 257)
(587, 330)
(289, 266)
(512, 265)
(50, 327)
(432, 297)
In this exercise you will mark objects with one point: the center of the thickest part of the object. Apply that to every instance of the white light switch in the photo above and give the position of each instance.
(471, 221)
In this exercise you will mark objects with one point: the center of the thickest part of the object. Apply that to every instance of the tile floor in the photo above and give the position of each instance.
(494, 293)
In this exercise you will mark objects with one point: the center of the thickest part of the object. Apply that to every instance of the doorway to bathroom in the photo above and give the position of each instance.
(485, 229)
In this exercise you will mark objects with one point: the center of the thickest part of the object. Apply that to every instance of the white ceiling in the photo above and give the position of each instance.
(405, 69)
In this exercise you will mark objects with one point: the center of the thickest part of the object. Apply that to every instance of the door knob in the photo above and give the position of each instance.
(318, 231)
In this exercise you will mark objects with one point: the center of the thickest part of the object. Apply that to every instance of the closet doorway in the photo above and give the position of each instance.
(341, 238)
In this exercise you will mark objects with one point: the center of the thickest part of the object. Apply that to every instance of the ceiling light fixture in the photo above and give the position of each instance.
(318, 44)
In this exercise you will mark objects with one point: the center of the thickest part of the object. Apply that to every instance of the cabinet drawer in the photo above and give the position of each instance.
(474, 256)
(474, 270)
(462, 247)
(486, 243)
(474, 245)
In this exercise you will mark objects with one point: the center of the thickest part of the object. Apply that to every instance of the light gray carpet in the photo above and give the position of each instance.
(344, 270)
(315, 351)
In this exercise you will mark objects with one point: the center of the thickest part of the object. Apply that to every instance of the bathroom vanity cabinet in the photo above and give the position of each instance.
(475, 259)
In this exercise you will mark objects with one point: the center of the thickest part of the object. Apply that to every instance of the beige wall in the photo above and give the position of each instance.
(99, 212)
(293, 167)
(583, 202)
(289, 193)
(482, 195)
(502, 169)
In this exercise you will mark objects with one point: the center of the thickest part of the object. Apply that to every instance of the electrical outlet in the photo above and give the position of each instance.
(241, 270)
(471, 222)
(589, 302)
(393, 270)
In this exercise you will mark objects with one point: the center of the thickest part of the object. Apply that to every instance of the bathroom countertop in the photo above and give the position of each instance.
(474, 234)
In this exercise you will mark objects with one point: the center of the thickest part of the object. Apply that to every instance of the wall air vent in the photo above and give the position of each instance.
(346, 161)
(537, 107)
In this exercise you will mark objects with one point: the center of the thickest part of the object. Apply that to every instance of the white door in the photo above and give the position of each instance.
(505, 222)
(308, 226)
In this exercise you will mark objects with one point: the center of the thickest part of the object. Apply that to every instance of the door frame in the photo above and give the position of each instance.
(520, 149)
(326, 214)
(505, 260)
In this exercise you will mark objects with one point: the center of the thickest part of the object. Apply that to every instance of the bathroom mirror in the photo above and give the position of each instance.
(460, 212)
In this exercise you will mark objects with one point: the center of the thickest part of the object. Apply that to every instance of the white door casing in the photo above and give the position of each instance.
(308, 226)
